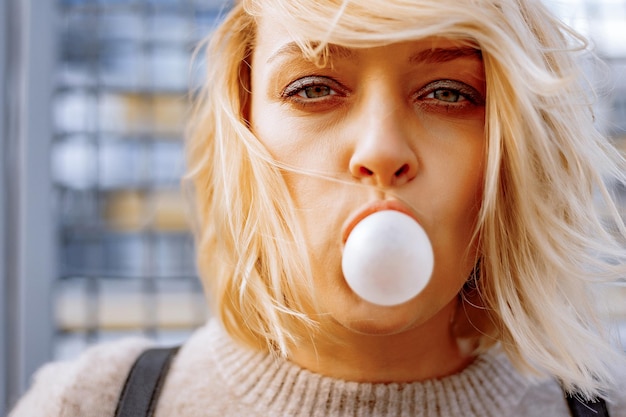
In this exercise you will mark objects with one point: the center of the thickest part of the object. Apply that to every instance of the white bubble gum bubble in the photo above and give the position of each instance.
(387, 259)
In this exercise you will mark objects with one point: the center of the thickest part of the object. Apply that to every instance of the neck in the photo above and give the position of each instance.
(423, 352)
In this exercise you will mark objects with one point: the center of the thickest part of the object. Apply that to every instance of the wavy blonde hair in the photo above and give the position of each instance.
(544, 241)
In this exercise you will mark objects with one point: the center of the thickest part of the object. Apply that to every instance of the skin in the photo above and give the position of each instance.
(396, 122)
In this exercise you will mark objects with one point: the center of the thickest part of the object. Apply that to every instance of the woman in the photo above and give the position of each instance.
(467, 116)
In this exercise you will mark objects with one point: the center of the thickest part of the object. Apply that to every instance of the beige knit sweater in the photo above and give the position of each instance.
(212, 376)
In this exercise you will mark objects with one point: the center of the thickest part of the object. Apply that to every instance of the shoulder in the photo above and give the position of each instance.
(89, 385)
(616, 401)
(543, 398)
(196, 384)
(546, 397)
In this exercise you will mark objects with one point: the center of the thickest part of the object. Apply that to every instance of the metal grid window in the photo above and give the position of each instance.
(126, 262)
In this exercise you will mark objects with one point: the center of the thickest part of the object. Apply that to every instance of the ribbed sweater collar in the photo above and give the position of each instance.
(490, 386)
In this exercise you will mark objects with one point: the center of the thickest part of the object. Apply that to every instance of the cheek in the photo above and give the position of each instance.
(299, 142)
(458, 252)
(453, 237)
(310, 172)
(458, 173)
(312, 162)
(459, 168)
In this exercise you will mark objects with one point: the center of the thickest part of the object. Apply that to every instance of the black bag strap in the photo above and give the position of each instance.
(144, 382)
(586, 408)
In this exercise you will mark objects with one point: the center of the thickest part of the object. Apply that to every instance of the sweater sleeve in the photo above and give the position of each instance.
(89, 386)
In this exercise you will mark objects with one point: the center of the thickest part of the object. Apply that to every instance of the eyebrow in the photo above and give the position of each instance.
(439, 55)
(428, 56)
(292, 48)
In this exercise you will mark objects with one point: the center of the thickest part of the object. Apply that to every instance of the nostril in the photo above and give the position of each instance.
(403, 170)
(365, 171)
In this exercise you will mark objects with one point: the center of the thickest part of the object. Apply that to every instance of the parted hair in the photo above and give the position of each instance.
(549, 232)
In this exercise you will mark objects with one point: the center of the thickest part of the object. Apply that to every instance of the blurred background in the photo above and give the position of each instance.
(95, 243)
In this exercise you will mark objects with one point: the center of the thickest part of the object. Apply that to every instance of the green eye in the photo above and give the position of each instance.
(312, 88)
(451, 92)
(449, 96)
(315, 91)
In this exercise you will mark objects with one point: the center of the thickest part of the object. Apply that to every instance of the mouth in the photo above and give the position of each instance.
(374, 207)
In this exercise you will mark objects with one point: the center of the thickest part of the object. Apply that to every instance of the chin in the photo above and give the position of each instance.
(371, 319)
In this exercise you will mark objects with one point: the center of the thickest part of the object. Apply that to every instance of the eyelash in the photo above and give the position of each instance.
(293, 89)
(465, 91)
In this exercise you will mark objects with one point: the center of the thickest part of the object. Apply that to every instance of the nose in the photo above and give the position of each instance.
(383, 154)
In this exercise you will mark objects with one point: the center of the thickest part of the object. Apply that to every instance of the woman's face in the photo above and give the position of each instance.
(407, 121)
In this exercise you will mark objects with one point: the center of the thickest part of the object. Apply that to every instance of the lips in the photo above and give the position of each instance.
(373, 208)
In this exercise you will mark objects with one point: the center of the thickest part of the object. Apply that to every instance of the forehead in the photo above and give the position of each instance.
(274, 42)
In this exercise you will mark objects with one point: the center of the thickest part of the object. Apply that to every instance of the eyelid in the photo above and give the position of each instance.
(311, 80)
(469, 92)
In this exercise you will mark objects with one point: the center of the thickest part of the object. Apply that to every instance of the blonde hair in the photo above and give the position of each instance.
(543, 240)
